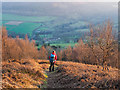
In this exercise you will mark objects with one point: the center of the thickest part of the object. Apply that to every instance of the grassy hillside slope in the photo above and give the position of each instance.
(22, 74)
(34, 74)
(78, 75)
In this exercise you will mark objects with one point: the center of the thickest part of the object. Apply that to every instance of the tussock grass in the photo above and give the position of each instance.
(22, 74)
(78, 75)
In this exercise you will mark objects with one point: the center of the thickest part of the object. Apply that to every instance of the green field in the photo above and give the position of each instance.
(79, 24)
(28, 23)
(64, 44)
(82, 30)
(44, 24)
(27, 18)
(22, 28)
(57, 31)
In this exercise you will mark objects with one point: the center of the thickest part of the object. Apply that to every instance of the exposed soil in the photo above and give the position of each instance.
(52, 79)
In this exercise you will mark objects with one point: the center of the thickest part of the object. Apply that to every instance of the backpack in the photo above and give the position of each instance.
(52, 58)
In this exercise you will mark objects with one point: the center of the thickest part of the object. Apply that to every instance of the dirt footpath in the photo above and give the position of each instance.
(52, 79)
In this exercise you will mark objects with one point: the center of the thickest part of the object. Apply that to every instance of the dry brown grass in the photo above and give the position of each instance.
(43, 64)
(22, 74)
(78, 75)
(30, 74)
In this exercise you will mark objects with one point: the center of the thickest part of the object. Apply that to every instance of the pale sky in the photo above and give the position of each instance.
(60, 0)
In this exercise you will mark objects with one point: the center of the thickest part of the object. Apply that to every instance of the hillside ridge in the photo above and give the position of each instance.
(34, 74)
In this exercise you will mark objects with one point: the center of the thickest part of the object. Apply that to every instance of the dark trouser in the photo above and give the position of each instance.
(51, 66)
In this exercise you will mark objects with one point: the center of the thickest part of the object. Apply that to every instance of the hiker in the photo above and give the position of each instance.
(52, 58)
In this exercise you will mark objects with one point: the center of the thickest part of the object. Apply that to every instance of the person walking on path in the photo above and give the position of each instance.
(52, 58)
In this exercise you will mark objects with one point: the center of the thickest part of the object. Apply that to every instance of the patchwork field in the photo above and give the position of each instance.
(23, 28)
(47, 29)
(24, 24)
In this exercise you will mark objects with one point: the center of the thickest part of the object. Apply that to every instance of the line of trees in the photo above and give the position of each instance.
(100, 48)
(16, 48)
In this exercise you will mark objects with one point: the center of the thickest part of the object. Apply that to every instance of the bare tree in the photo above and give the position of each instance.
(102, 37)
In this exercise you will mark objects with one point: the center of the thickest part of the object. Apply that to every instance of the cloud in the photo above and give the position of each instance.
(115, 6)
(60, 5)
(60, 0)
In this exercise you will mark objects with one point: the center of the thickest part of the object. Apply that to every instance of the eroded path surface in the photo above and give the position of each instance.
(52, 79)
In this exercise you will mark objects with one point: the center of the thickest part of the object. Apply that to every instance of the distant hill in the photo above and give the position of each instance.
(55, 23)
